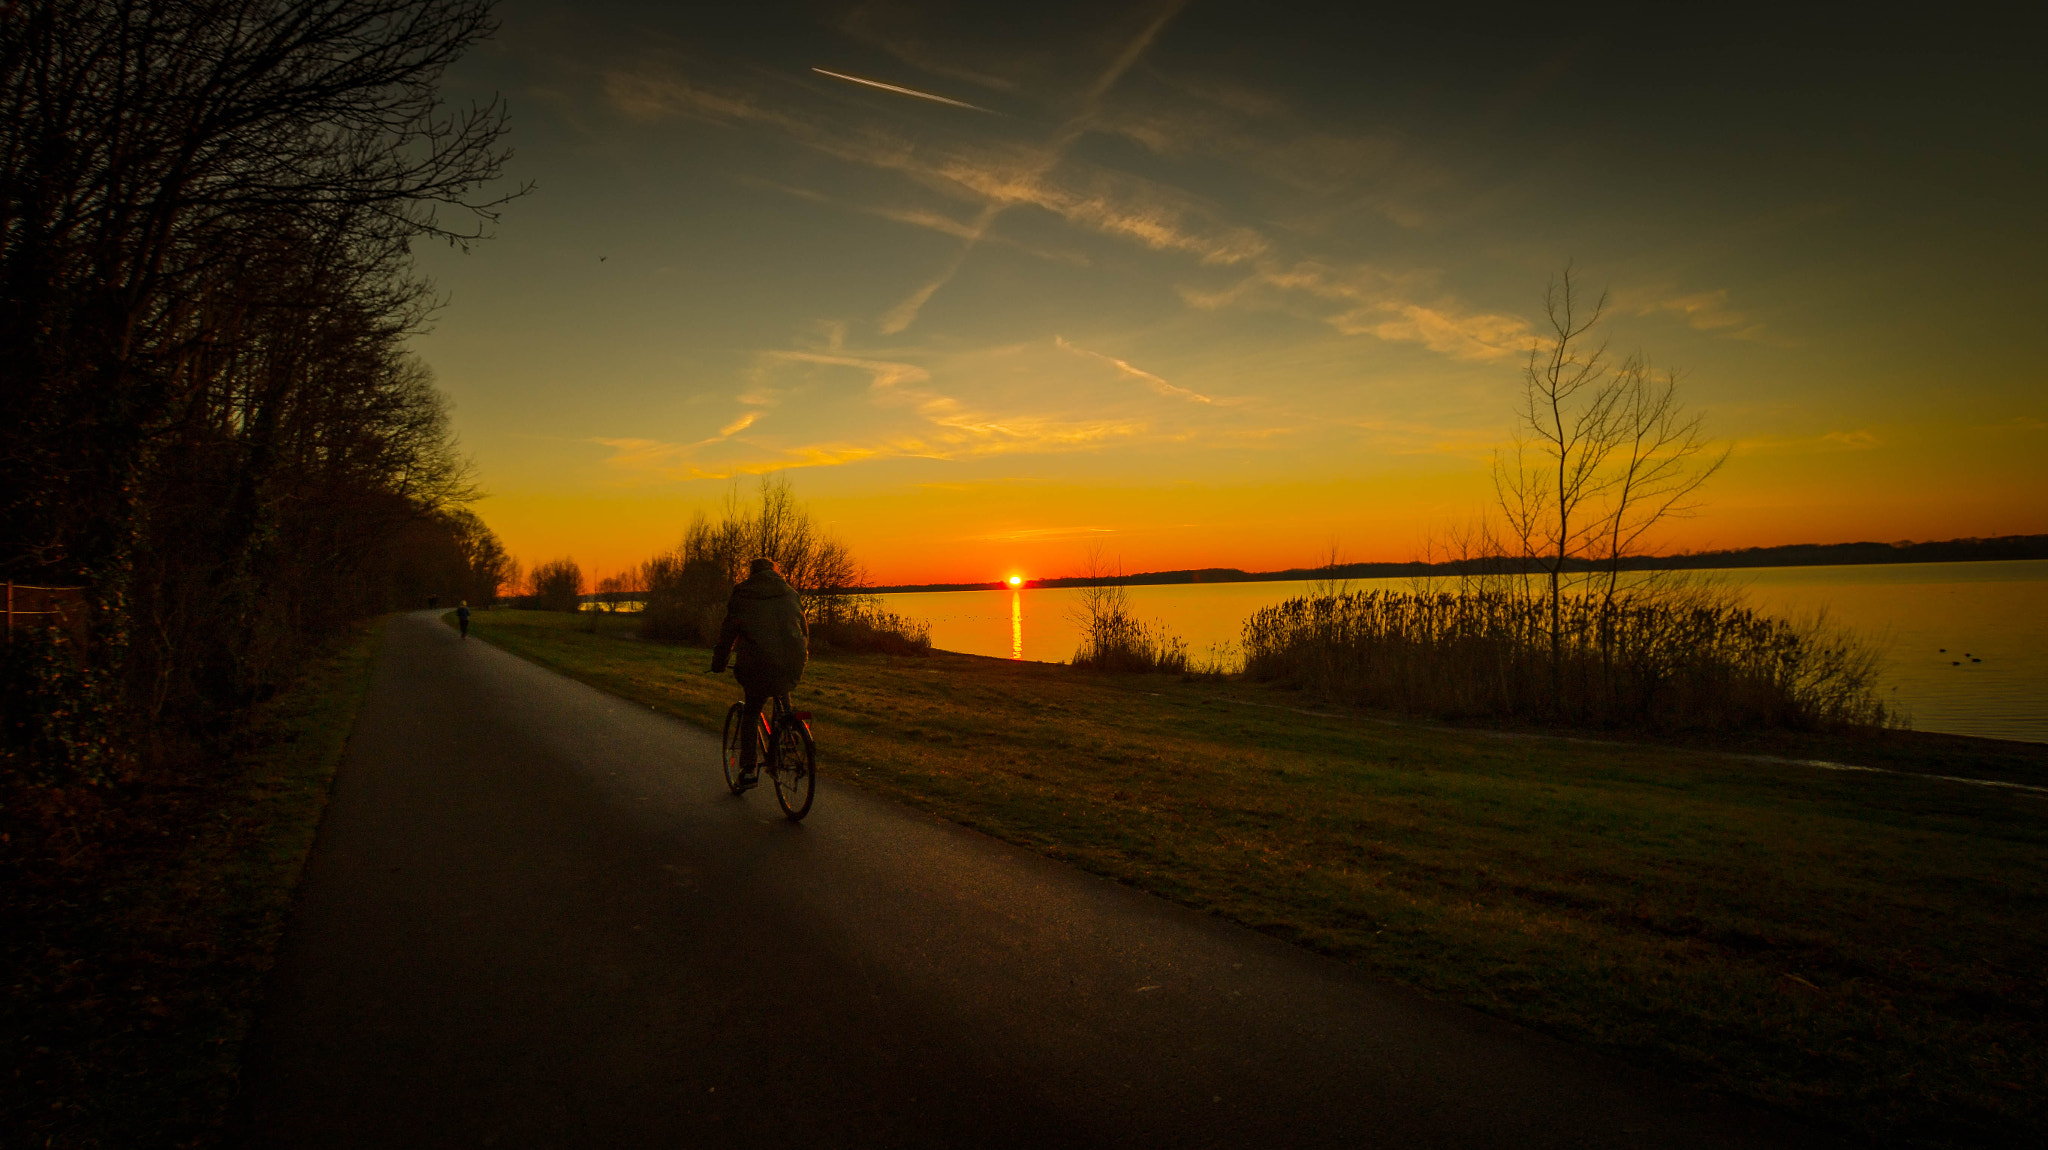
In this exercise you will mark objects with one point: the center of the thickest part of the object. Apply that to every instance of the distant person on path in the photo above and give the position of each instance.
(462, 618)
(765, 620)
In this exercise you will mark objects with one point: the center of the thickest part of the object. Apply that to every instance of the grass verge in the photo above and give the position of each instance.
(1860, 949)
(135, 962)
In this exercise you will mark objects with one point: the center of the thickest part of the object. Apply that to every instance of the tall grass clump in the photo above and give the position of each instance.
(1650, 660)
(1113, 639)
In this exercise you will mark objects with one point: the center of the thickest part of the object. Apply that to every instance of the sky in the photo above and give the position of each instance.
(998, 287)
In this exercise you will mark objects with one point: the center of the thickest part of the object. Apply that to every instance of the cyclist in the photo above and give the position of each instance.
(462, 617)
(764, 619)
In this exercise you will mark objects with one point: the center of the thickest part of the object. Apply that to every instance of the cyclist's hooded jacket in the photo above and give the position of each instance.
(764, 619)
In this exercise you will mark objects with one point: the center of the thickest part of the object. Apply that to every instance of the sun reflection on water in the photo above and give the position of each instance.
(1016, 624)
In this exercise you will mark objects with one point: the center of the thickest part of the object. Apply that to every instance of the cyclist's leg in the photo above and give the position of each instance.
(772, 729)
(750, 729)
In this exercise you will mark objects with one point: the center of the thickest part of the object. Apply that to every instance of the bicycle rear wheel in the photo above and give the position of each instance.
(796, 768)
(735, 726)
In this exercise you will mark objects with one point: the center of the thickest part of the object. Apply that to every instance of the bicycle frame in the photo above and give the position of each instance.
(768, 740)
(779, 730)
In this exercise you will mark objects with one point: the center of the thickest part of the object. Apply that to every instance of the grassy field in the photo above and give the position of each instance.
(135, 967)
(1863, 949)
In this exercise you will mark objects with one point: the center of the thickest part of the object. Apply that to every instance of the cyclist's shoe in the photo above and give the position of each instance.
(750, 777)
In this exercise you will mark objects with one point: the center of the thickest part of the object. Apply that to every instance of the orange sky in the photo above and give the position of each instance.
(1208, 290)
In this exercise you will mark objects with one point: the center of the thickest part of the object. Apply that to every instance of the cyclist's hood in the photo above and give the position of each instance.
(763, 585)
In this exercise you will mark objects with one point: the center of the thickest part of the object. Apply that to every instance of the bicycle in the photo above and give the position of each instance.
(787, 753)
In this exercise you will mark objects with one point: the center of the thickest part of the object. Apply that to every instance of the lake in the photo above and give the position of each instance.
(1965, 644)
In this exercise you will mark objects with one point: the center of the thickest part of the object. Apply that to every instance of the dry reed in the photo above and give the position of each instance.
(1113, 639)
(1641, 661)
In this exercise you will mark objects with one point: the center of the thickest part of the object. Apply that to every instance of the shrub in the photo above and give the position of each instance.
(1647, 661)
(854, 622)
(684, 597)
(614, 592)
(686, 588)
(558, 586)
(59, 713)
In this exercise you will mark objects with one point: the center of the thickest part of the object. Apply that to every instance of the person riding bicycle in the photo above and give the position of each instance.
(764, 619)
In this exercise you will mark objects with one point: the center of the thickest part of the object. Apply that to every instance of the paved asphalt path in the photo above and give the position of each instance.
(535, 918)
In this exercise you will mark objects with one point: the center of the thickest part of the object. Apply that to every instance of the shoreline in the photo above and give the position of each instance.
(2003, 549)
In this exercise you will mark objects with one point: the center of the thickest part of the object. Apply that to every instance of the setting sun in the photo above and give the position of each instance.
(1016, 580)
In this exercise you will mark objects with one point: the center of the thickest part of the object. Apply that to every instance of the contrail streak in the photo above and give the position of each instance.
(900, 317)
(902, 91)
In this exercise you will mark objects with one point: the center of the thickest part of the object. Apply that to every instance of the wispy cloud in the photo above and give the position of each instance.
(925, 218)
(1142, 376)
(899, 318)
(1859, 439)
(943, 426)
(997, 177)
(1414, 437)
(642, 454)
(1111, 204)
(1369, 301)
(1459, 335)
(1332, 175)
(895, 31)
(1708, 311)
(650, 93)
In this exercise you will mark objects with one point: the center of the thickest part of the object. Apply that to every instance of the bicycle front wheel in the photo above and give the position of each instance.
(796, 769)
(735, 727)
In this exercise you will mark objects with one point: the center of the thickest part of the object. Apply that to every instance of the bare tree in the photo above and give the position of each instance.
(1600, 456)
(1662, 458)
(1553, 470)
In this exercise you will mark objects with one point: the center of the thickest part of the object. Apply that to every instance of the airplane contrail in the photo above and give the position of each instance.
(900, 317)
(903, 91)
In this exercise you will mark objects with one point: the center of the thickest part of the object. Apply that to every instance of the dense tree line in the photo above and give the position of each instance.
(206, 208)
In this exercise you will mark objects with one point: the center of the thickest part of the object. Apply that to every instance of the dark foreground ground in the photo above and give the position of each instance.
(534, 918)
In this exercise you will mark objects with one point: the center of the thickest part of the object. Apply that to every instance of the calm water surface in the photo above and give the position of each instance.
(1965, 644)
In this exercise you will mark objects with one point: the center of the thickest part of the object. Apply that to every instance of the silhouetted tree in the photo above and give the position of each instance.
(1600, 456)
(558, 585)
(613, 591)
(205, 292)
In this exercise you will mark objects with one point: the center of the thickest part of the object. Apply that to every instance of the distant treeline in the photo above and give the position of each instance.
(2003, 547)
